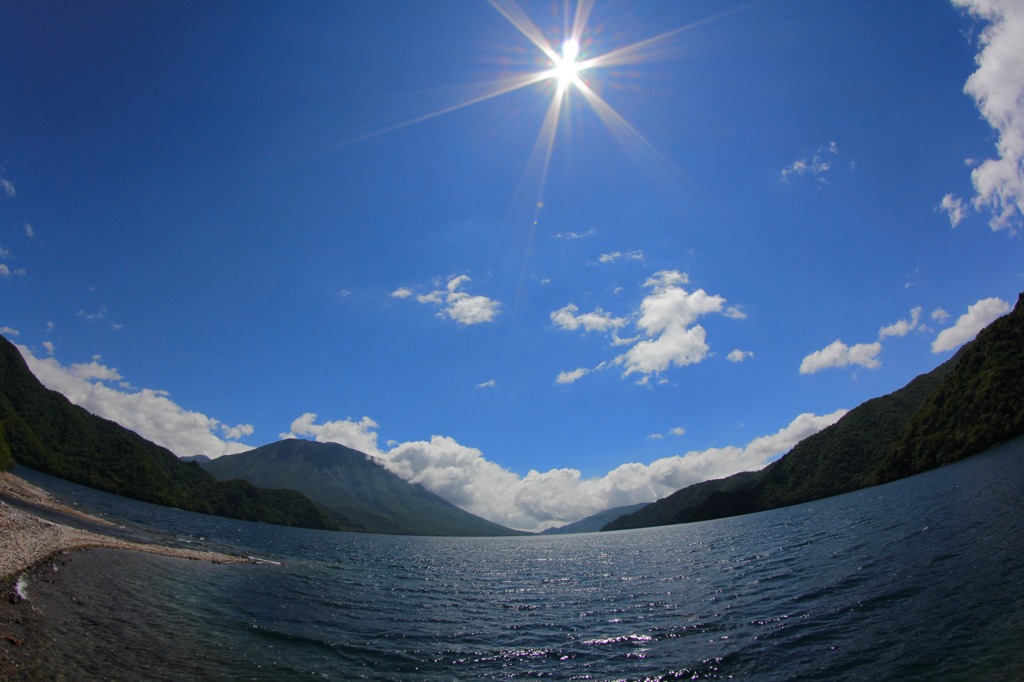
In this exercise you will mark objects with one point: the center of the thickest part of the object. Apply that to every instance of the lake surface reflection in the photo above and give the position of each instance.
(919, 579)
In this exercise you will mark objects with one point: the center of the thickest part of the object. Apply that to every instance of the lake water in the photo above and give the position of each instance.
(920, 579)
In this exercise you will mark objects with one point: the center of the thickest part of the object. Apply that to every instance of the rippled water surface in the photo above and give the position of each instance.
(920, 579)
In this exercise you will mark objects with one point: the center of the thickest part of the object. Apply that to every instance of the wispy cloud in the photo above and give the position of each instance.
(96, 316)
(997, 87)
(613, 256)
(572, 376)
(954, 207)
(814, 165)
(6, 271)
(574, 235)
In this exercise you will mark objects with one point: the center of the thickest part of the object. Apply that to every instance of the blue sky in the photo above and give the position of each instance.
(540, 294)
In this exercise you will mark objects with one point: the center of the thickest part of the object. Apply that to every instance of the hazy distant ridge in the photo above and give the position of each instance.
(966, 405)
(594, 522)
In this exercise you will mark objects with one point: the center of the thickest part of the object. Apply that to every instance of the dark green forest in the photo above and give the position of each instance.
(41, 429)
(967, 405)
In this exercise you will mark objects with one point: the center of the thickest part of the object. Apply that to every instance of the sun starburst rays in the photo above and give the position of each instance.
(569, 70)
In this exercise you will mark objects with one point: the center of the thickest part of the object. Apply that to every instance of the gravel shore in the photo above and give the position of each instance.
(27, 540)
(31, 550)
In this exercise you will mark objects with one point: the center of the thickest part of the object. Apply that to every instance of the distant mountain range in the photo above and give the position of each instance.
(595, 522)
(357, 491)
(968, 404)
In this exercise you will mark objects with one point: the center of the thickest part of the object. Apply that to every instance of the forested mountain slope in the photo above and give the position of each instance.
(41, 429)
(968, 404)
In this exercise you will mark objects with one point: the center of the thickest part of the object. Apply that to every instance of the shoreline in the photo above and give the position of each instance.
(33, 550)
(28, 541)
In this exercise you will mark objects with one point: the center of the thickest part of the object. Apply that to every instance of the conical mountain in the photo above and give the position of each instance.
(354, 488)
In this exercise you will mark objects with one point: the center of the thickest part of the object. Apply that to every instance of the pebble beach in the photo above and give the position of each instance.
(30, 547)
(26, 539)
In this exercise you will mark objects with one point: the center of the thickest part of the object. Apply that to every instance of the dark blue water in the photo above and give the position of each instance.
(921, 579)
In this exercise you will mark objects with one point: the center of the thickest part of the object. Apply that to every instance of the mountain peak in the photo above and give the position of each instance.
(357, 489)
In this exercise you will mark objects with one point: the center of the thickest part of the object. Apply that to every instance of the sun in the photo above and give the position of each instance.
(566, 71)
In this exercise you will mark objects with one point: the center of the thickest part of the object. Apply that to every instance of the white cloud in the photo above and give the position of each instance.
(977, 317)
(100, 313)
(735, 313)
(598, 320)
(902, 327)
(9, 331)
(677, 431)
(574, 235)
(50, 348)
(236, 432)
(490, 383)
(838, 354)
(457, 304)
(8, 187)
(432, 297)
(29, 231)
(5, 271)
(997, 87)
(616, 255)
(665, 318)
(815, 166)
(466, 309)
(940, 315)
(94, 371)
(572, 376)
(737, 355)
(954, 207)
(148, 412)
(463, 476)
(360, 435)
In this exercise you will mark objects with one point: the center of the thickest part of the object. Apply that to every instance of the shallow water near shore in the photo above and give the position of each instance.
(919, 579)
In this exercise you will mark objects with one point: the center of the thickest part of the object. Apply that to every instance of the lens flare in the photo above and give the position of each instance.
(567, 68)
